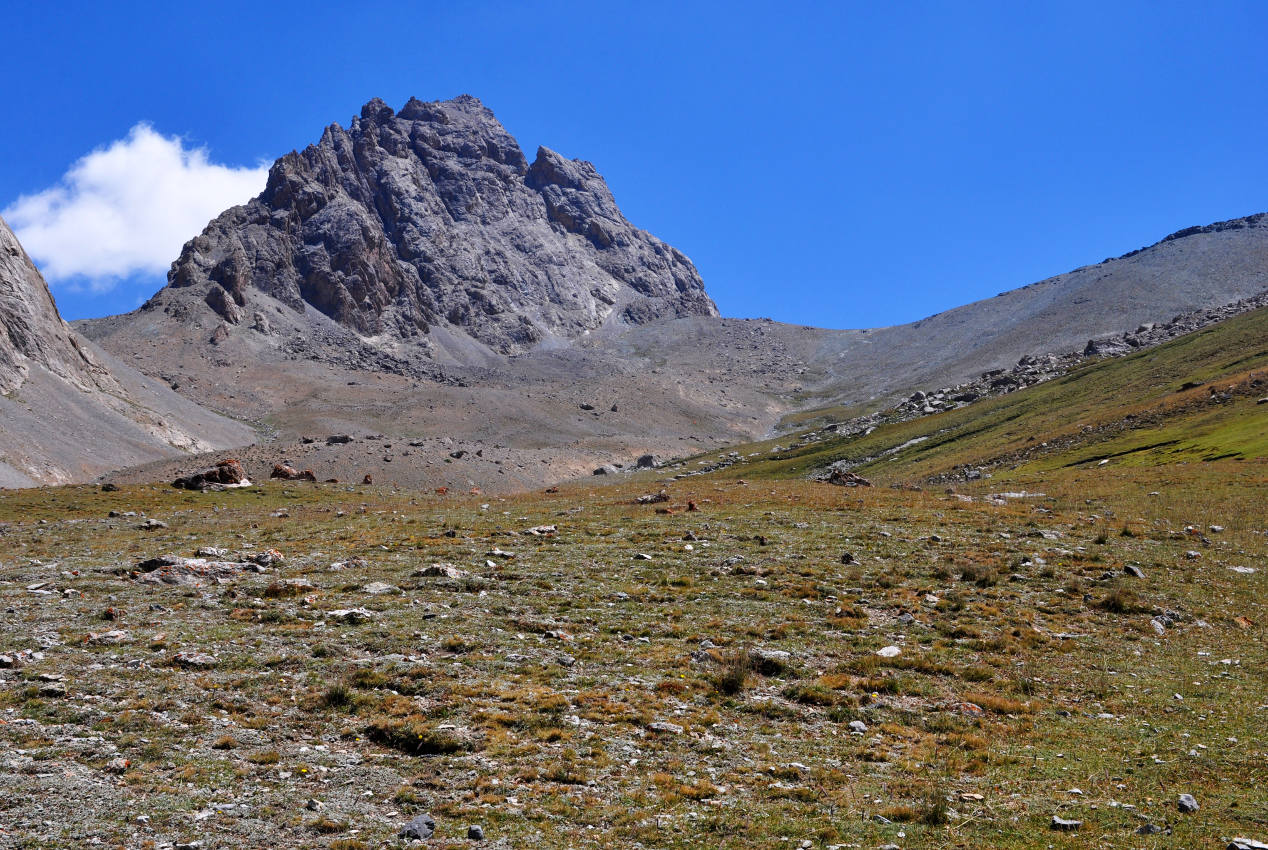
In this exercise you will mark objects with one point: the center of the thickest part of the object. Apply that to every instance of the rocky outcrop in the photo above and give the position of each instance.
(226, 473)
(70, 411)
(432, 218)
(31, 329)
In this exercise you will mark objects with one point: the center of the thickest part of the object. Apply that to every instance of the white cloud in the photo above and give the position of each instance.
(127, 209)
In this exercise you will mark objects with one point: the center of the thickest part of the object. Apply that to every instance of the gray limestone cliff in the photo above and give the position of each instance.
(430, 219)
(31, 329)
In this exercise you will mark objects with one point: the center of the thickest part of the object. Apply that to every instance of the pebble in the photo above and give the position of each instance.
(1187, 804)
(858, 727)
(1065, 825)
(1134, 571)
(889, 652)
(475, 832)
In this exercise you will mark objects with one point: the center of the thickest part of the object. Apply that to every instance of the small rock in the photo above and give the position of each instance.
(352, 615)
(606, 469)
(1150, 829)
(110, 638)
(645, 461)
(1192, 555)
(642, 556)
(211, 552)
(118, 764)
(1246, 843)
(421, 827)
(378, 588)
(267, 558)
(889, 652)
(1134, 571)
(858, 727)
(194, 660)
(769, 662)
(475, 832)
(848, 558)
(151, 524)
(1064, 825)
(1187, 804)
(665, 728)
(440, 570)
(314, 805)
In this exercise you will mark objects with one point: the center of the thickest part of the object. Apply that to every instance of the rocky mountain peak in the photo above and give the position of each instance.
(428, 225)
(31, 329)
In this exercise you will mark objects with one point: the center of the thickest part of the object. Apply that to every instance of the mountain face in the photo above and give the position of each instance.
(31, 329)
(69, 411)
(472, 319)
(429, 224)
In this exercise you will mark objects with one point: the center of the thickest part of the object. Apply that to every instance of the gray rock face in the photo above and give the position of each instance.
(68, 410)
(31, 329)
(432, 220)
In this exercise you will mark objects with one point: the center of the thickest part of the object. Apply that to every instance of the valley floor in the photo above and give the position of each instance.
(790, 664)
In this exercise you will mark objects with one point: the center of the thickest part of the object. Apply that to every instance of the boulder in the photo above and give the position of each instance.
(286, 472)
(226, 473)
(420, 828)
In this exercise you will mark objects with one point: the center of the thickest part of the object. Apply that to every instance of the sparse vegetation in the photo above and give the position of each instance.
(574, 660)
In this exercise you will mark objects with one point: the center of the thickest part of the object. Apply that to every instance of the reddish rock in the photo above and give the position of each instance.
(226, 473)
(286, 472)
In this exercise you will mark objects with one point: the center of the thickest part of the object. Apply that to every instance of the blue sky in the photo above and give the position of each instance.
(836, 164)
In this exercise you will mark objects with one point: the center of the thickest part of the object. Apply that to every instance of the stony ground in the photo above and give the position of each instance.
(790, 664)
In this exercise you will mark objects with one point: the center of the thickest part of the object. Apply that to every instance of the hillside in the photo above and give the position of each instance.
(1197, 398)
(69, 411)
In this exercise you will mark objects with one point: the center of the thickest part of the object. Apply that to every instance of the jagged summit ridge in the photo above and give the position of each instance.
(432, 218)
